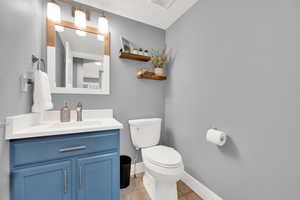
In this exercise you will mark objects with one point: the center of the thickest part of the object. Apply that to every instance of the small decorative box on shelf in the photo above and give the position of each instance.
(134, 57)
(151, 75)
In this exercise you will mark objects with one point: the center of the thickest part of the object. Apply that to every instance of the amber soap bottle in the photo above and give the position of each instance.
(65, 113)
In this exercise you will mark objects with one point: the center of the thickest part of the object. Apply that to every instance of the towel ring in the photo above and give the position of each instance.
(38, 60)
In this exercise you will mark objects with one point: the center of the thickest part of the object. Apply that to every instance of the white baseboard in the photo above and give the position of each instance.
(190, 181)
(199, 188)
(139, 168)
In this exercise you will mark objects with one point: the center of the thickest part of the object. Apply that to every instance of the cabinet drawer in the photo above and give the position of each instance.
(44, 149)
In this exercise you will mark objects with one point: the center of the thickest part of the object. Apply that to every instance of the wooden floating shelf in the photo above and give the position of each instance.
(134, 57)
(151, 75)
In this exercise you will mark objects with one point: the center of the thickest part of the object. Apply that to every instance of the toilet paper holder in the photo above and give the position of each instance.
(216, 136)
(223, 137)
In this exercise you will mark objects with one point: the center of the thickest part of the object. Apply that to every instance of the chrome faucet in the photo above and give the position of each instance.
(79, 112)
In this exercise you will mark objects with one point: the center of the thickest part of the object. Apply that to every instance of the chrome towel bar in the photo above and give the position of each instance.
(38, 60)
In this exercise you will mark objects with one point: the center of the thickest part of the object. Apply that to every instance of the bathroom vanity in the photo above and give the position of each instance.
(50, 160)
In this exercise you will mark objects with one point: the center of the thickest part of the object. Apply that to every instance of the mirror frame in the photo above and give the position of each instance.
(51, 40)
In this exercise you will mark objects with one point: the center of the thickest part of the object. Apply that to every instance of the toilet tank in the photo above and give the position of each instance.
(145, 132)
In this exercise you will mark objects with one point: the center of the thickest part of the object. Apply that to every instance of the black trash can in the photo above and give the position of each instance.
(125, 164)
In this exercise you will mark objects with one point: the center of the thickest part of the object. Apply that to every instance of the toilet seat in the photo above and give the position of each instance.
(162, 156)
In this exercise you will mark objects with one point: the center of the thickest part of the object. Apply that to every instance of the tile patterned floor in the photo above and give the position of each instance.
(136, 191)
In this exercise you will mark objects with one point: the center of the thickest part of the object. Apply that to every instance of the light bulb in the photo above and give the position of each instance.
(102, 25)
(100, 37)
(53, 12)
(80, 19)
(80, 33)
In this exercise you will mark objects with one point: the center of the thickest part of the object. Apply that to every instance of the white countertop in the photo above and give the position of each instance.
(34, 125)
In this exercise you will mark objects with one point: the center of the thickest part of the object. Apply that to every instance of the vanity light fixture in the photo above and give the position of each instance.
(80, 33)
(53, 12)
(103, 24)
(100, 37)
(80, 18)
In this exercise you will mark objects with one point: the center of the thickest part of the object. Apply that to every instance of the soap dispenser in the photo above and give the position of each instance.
(65, 113)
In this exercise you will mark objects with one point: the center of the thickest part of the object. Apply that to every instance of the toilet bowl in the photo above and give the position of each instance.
(163, 168)
(163, 165)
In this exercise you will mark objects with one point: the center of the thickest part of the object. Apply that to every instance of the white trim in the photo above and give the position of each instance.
(87, 56)
(51, 69)
(190, 181)
(105, 83)
(68, 66)
(199, 188)
(139, 168)
(61, 90)
(106, 75)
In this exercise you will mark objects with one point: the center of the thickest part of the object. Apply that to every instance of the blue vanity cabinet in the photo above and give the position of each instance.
(81, 166)
(46, 182)
(98, 177)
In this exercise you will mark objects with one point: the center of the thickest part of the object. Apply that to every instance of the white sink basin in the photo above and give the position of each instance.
(75, 125)
(29, 125)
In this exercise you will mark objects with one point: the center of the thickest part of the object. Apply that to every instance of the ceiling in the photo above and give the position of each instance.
(144, 11)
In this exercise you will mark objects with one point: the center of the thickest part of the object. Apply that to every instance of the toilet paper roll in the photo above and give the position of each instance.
(216, 137)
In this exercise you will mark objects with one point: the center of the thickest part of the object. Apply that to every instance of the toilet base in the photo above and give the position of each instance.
(158, 190)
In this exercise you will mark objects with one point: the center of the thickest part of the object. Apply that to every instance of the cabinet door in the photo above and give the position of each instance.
(99, 177)
(46, 182)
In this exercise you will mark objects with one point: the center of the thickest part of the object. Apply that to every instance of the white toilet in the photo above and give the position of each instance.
(163, 165)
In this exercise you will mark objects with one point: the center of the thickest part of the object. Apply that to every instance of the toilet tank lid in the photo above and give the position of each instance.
(142, 122)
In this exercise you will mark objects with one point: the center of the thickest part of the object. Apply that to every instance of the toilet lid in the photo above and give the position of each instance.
(162, 156)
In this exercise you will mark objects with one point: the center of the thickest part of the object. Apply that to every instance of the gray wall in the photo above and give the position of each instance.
(21, 35)
(130, 97)
(237, 69)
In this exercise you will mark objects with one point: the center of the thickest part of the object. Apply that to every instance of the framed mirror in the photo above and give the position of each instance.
(78, 59)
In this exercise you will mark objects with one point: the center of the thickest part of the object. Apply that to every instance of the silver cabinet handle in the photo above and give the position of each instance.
(65, 180)
(72, 148)
(80, 177)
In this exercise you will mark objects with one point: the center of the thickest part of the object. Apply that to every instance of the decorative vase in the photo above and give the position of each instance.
(159, 71)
